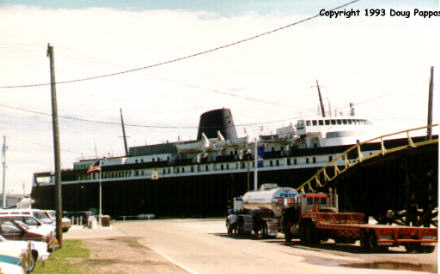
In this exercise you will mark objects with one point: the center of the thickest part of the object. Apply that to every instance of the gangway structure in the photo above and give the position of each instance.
(392, 178)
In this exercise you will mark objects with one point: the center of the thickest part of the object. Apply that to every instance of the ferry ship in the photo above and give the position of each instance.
(199, 178)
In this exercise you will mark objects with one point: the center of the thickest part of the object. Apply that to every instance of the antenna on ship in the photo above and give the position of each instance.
(320, 99)
(431, 90)
(123, 134)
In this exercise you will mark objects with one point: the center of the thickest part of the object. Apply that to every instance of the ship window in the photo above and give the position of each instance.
(277, 162)
(314, 122)
(142, 172)
(136, 173)
(271, 163)
(327, 122)
(333, 122)
(168, 158)
(142, 160)
(330, 158)
(300, 124)
(273, 149)
(344, 121)
(307, 160)
(288, 162)
(206, 168)
(308, 123)
(136, 161)
(242, 165)
(192, 169)
(164, 171)
(339, 122)
(321, 122)
(183, 169)
(350, 121)
(227, 166)
(295, 161)
(221, 167)
(169, 171)
(314, 160)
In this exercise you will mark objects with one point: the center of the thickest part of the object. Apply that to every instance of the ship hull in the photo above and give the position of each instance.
(189, 196)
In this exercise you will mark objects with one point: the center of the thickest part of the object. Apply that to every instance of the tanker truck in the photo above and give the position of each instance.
(260, 212)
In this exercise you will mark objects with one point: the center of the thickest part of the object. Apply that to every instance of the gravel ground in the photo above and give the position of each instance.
(113, 252)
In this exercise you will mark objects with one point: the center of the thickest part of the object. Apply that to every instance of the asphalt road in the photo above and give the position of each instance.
(202, 246)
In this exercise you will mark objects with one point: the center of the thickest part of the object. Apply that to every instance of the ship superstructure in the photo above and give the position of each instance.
(201, 176)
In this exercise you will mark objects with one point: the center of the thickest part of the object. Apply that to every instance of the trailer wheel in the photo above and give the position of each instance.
(409, 247)
(372, 241)
(364, 240)
(428, 249)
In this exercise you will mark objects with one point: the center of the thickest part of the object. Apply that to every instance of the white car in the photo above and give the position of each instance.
(66, 222)
(37, 213)
(11, 265)
(15, 248)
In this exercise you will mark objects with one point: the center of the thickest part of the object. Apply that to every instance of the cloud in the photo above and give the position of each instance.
(356, 60)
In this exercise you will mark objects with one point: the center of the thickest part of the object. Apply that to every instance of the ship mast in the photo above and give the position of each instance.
(320, 100)
(123, 134)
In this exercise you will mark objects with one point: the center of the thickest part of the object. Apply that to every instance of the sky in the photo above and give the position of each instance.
(379, 63)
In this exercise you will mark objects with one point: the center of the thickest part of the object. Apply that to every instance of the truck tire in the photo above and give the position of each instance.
(264, 230)
(314, 237)
(287, 234)
(304, 233)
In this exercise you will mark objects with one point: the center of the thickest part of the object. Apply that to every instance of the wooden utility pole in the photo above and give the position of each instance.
(4, 147)
(56, 148)
(431, 90)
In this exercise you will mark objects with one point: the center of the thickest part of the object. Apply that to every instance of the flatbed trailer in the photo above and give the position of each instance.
(349, 227)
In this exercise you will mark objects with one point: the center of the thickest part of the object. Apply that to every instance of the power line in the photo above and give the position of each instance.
(181, 58)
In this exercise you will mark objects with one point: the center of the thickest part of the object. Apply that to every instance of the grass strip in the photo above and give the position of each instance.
(65, 260)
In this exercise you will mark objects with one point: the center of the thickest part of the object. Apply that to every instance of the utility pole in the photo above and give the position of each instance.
(56, 147)
(256, 165)
(320, 100)
(431, 90)
(123, 134)
(4, 147)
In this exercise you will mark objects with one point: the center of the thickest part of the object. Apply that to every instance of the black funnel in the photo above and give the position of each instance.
(217, 120)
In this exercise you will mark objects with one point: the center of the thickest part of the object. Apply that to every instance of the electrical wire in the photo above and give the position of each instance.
(183, 57)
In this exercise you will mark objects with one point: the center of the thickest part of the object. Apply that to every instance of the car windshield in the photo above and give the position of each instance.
(51, 214)
(41, 216)
(23, 224)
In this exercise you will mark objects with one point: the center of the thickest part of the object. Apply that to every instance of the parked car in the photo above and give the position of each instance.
(37, 213)
(11, 264)
(66, 222)
(16, 230)
(38, 250)
(33, 223)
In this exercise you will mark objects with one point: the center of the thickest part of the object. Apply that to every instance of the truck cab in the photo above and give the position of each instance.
(306, 207)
